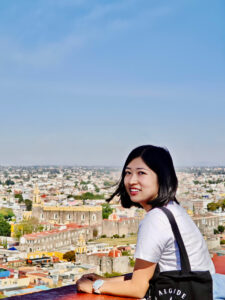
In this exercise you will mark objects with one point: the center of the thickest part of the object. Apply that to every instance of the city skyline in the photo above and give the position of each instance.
(84, 82)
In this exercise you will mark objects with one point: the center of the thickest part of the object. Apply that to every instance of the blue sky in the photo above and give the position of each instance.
(85, 81)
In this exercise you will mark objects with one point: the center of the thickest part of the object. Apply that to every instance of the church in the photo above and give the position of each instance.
(81, 215)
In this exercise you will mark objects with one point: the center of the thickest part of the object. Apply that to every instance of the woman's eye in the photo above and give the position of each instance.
(141, 173)
(127, 172)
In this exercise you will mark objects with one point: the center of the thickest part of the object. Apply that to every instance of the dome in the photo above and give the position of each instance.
(115, 253)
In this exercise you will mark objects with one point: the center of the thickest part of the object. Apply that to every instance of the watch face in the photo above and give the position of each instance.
(97, 284)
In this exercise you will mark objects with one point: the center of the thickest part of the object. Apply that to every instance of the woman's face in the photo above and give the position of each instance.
(141, 182)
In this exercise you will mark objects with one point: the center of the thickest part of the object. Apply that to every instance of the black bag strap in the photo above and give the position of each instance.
(185, 264)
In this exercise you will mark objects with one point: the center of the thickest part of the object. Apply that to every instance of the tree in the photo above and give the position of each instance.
(9, 182)
(221, 228)
(28, 204)
(209, 191)
(212, 206)
(27, 226)
(97, 190)
(109, 183)
(125, 253)
(7, 213)
(69, 256)
(5, 227)
(131, 261)
(196, 182)
(106, 210)
(19, 197)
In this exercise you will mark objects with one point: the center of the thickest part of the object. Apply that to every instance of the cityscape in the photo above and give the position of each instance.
(56, 224)
(82, 83)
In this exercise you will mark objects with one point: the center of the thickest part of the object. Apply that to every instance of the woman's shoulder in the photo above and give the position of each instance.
(155, 216)
(177, 210)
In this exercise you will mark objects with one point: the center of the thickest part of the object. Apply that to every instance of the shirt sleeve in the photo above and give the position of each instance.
(153, 236)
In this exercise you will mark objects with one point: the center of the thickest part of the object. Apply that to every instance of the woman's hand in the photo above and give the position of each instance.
(92, 276)
(84, 285)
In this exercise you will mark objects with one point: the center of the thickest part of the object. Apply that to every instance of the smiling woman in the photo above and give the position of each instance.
(157, 165)
(167, 237)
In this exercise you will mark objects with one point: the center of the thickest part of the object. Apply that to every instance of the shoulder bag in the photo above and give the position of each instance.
(180, 284)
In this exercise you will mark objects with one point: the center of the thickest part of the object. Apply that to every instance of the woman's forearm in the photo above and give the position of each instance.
(123, 288)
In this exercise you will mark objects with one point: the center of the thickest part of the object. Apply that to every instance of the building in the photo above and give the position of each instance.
(81, 215)
(64, 236)
(207, 223)
(123, 226)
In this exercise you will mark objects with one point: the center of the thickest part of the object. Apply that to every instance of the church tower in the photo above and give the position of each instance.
(36, 195)
(37, 209)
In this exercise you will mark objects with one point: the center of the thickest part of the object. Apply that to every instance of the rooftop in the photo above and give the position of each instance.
(68, 227)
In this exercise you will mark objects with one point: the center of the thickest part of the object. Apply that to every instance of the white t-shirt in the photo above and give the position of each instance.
(156, 242)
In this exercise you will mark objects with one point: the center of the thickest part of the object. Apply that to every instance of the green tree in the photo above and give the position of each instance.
(9, 182)
(97, 190)
(108, 183)
(221, 228)
(131, 261)
(19, 197)
(5, 227)
(196, 182)
(116, 236)
(212, 206)
(125, 253)
(88, 196)
(106, 210)
(209, 191)
(69, 256)
(7, 213)
(28, 204)
(28, 226)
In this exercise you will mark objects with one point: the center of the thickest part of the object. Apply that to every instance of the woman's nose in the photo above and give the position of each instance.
(133, 179)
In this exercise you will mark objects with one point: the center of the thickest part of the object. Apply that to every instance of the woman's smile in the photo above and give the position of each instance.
(134, 191)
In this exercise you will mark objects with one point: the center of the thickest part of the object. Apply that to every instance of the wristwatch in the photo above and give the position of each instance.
(96, 286)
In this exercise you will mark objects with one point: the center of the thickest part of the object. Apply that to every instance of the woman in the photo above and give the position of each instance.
(149, 181)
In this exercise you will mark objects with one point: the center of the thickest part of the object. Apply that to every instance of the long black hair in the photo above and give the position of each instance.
(159, 160)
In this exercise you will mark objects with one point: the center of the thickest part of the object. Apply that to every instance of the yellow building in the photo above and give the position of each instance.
(82, 215)
(39, 254)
